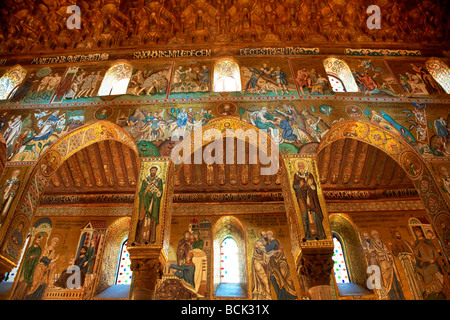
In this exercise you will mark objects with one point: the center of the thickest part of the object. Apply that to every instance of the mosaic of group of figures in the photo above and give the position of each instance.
(239, 77)
(410, 260)
(199, 263)
(53, 246)
(296, 127)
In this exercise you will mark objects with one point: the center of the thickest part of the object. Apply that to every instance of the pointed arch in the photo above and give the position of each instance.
(11, 80)
(221, 124)
(440, 72)
(407, 158)
(340, 75)
(54, 157)
(116, 79)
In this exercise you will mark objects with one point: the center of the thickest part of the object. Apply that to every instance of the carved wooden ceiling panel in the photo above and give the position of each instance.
(106, 167)
(213, 178)
(41, 25)
(349, 164)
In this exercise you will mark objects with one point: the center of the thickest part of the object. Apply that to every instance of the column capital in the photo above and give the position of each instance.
(147, 264)
(314, 268)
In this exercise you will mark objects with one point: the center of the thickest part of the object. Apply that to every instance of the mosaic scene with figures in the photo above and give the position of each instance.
(224, 150)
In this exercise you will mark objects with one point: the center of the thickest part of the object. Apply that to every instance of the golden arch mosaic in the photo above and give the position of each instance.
(55, 156)
(415, 168)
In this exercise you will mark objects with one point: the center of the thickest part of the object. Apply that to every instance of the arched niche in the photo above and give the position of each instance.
(115, 235)
(229, 227)
(346, 232)
(227, 76)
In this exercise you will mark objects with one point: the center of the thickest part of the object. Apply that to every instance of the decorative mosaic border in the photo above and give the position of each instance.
(219, 99)
(207, 209)
(383, 52)
(83, 211)
(336, 207)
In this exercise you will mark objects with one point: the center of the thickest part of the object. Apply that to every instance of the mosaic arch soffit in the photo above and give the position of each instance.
(224, 124)
(408, 159)
(63, 149)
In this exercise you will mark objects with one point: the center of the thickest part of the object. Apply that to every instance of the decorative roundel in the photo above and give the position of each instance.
(226, 109)
(424, 185)
(103, 113)
(354, 112)
(392, 146)
(17, 235)
(50, 162)
(432, 203)
(104, 131)
(355, 130)
(411, 164)
(376, 137)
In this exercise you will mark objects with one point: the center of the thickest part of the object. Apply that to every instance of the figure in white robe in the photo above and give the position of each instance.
(48, 127)
(12, 132)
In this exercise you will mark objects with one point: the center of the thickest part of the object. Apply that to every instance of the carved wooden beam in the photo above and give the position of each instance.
(107, 166)
(244, 174)
(130, 165)
(381, 166)
(117, 162)
(350, 159)
(75, 171)
(389, 171)
(187, 170)
(362, 156)
(55, 179)
(337, 160)
(95, 165)
(324, 159)
(373, 155)
(65, 175)
(84, 168)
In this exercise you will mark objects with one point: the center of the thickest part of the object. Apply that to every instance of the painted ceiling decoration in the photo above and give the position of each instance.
(127, 23)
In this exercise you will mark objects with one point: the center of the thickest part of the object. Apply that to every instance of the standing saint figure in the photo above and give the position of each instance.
(149, 204)
(13, 131)
(428, 267)
(8, 194)
(184, 246)
(403, 250)
(389, 275)
(280, 276)
(30, 261)
(260, 270)
(44, 271)
(308, 200)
